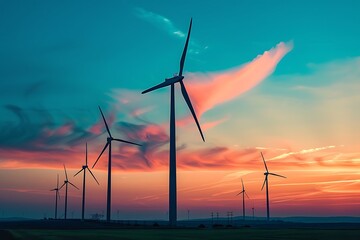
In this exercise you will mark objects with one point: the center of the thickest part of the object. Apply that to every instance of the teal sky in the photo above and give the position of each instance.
(59, 60)
(69, 55)
(107, 44)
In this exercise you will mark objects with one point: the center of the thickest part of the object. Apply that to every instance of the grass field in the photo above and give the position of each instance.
(185, 234)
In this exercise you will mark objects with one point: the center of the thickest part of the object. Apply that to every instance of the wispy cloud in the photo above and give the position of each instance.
(209, 90)
(304, 151)
(159, 21)
(169, 27)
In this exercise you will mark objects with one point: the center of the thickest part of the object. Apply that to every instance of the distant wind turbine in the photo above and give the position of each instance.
(243, 192)
(267, 173)
(253, 212)
(84, 168)
(172, 168)
(57, 195)
(66, 182)
(108, 144)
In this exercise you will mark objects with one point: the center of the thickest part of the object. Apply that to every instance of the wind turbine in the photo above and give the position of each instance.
(84, 168)
(243, 192)
(253, 211)
(172, 166)
(267, 173)
(66, 182)
(57, 195)
(108, 144)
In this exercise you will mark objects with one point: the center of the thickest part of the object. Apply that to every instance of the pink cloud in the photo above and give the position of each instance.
(65, 129)
(208, 90)
(98, 127)
(140, 111)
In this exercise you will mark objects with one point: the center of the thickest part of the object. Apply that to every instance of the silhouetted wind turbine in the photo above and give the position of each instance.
(57, 195)
(243, 192)
(171, 82)
(267, 173)
(108, 144)
(253, 211)
(66, 182)
(84, 168)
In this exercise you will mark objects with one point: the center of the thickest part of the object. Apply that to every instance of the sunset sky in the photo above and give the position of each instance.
(278, 77)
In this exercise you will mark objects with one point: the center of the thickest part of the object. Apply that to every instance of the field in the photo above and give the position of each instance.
(185, 234)
(40, 230)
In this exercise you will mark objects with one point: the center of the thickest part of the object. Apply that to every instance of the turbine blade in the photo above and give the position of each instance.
(93, 176)
(161, 85)
(78, 172)
(86, 154)
(62, 186)
(187, 100)
(277, 175)
(242, 183)
(58, 193)
(106, 145)
(53, 189)
(247, 195)
(65, 173)
(107, 127)
(240, 193)
(264, 162)
(182, 61)
(120, 140)
(73, 185)
(57, 182)
(264, 183)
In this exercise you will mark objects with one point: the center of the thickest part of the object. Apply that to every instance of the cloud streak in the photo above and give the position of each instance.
(159, 21)
(169, 27)
(209, 90)
(304, 151)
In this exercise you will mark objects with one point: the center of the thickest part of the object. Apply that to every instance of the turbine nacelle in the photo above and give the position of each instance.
(267, 173)
(174, 79)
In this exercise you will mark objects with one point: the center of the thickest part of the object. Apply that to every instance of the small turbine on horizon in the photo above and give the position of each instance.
(57, 195)
(243, 192)
(108, 144)
(66, 182)
(84, 168)
(267, 173)
(172, 165)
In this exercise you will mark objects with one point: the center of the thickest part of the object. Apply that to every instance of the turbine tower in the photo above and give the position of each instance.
(84, 168)
(57, 195)
(172, 166)
(108, 144)
(66, 182)
(267, 173)
(243, 192)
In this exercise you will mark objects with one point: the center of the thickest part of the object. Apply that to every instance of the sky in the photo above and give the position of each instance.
(277, 77)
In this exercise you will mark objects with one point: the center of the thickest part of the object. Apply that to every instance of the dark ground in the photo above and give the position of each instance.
(89, 230)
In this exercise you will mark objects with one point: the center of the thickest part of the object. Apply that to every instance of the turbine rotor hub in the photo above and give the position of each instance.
(174, 79)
